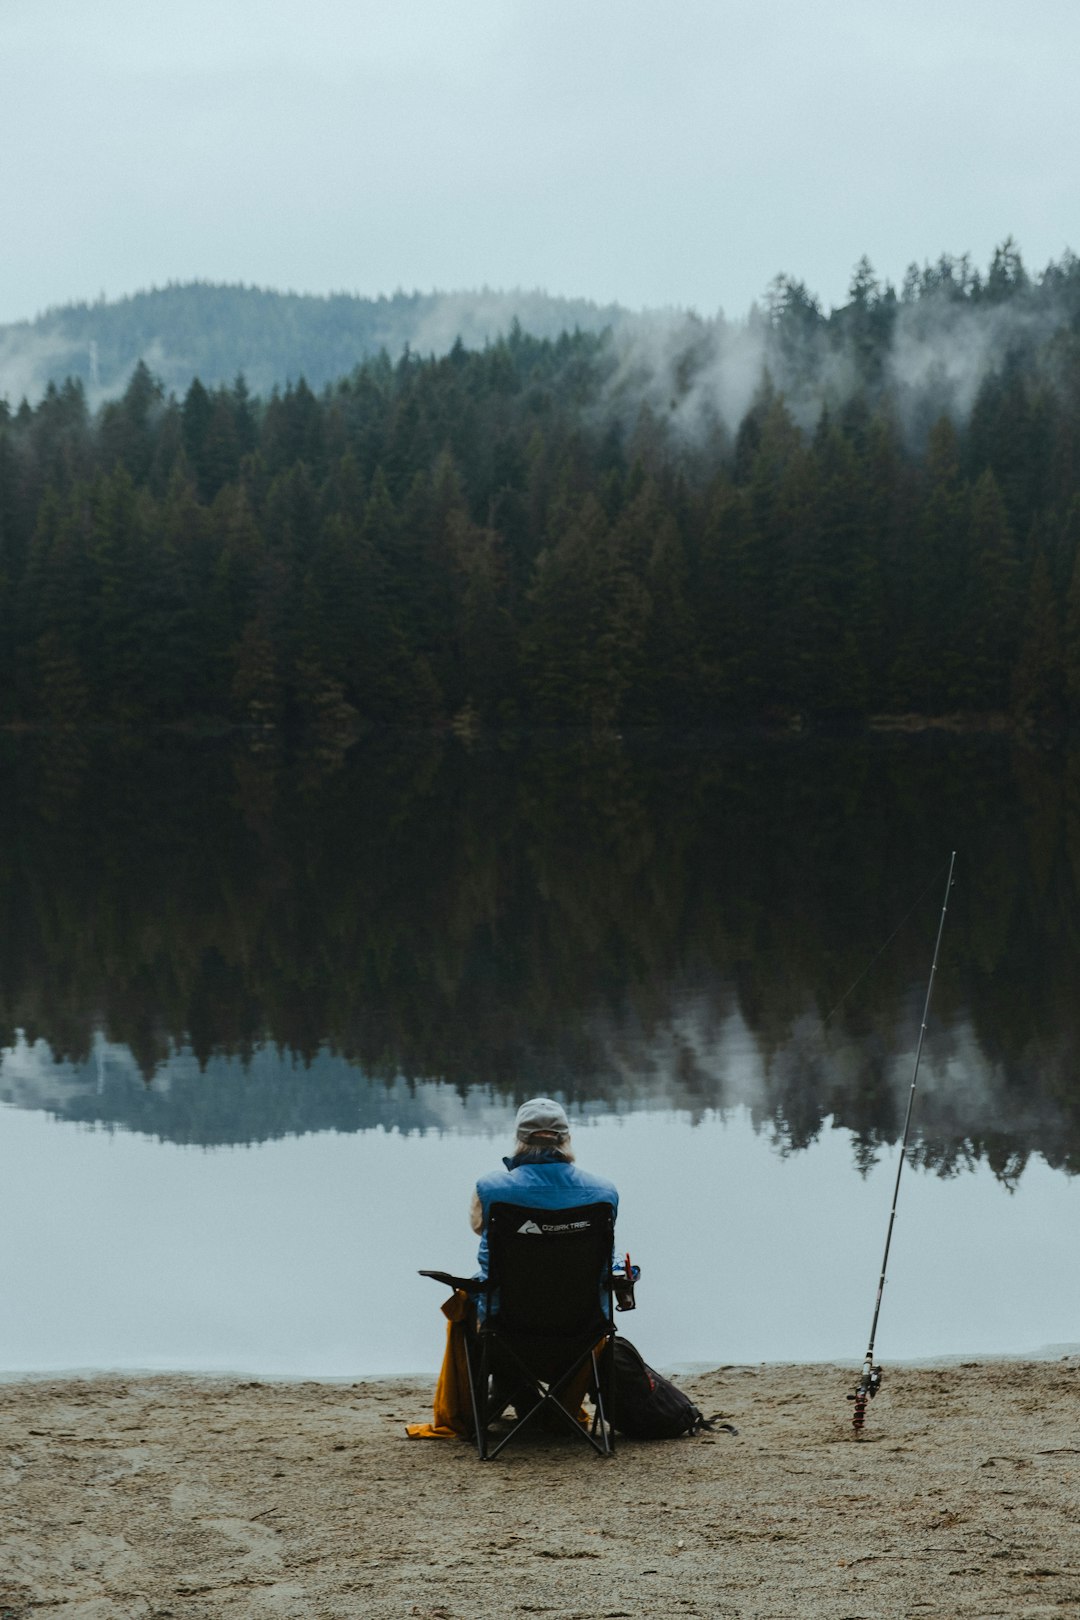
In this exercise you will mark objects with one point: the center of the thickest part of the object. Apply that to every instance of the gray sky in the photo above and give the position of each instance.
(676, 154)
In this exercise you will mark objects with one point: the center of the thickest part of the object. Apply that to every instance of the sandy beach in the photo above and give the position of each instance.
(179, 1496)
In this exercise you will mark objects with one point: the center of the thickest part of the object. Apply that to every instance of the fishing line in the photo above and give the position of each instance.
(855, 984)
(870, 1381)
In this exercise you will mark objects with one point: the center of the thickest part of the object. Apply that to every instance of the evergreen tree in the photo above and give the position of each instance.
(586, 633)
(1071, 643)
(992, 605)
(123, 563)
(196, 417)
(926, 670)
(647, 537)
(733, 605)
(54, 614)
(485, 641)
(127, 428)
(1038, 677)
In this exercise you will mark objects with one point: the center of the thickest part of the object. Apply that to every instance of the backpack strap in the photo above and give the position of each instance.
(701, 1423)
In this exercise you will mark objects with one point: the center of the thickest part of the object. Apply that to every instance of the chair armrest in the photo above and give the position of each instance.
(469, 1285)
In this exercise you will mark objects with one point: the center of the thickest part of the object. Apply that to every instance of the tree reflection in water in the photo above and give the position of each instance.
(287, 942)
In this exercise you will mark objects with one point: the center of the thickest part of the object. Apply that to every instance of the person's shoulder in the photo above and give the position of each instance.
(589, 1178)
(495, 1178)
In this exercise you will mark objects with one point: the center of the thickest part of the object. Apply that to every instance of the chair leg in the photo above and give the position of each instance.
(550, 1397)
(600, 1435)
(478, 1376)
(604, 1404)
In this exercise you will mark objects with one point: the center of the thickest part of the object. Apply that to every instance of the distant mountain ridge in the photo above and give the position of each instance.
(216, 331)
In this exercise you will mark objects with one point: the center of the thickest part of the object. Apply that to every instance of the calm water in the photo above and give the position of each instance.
(265, 1020)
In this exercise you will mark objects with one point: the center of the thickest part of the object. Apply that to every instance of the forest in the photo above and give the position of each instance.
(574, 532)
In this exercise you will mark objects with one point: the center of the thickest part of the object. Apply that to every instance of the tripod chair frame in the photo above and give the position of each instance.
(548, 1315)
(544, 1314)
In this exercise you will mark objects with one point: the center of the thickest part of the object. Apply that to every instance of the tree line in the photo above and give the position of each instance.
(515, 536)
(213, 331)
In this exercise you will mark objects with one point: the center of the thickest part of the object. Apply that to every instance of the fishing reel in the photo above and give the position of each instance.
(867, 1388)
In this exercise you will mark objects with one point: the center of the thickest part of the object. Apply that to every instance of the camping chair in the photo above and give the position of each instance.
(546, 1317)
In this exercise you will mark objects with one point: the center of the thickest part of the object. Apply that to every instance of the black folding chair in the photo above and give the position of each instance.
(547, 1317)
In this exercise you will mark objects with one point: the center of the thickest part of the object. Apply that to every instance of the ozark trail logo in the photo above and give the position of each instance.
(554, 1226)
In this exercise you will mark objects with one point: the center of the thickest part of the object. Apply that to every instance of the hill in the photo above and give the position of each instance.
(215, 332)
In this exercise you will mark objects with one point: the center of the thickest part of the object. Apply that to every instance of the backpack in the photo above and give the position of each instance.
(648, 1406)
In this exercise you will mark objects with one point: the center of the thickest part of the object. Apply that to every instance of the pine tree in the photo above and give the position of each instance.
(647, 537)
(925, 672)
(586, 633)
(1038, 676)
(1071, 643)
(127, 428)
(485, 647)
(257, 689)
(122, 558)
(992, 606)
(54, 613)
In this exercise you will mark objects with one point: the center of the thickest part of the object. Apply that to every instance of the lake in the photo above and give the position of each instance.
(266, 1015)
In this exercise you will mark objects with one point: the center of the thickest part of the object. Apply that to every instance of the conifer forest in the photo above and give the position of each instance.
(540, 533)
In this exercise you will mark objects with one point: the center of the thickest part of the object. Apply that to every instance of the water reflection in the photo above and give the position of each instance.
(210, 945)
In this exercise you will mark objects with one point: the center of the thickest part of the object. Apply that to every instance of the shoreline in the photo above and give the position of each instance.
(677, 1370)
(129, 1497)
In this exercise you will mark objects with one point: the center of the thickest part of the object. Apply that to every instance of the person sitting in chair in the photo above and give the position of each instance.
(541, 1174)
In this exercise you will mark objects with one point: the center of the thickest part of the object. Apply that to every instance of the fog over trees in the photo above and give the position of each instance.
(199, 329)
(811, 516)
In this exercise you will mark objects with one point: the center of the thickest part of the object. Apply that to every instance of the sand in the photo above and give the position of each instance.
(178, 1496)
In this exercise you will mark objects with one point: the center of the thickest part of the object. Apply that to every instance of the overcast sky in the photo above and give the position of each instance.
(654, 154)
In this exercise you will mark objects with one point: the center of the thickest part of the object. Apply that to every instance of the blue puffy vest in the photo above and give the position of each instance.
(548, 1183)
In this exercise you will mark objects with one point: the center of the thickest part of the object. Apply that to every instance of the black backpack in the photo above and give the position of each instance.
(648, 1406)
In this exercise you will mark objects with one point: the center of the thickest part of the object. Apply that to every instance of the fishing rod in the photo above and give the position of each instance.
(870, 1381)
